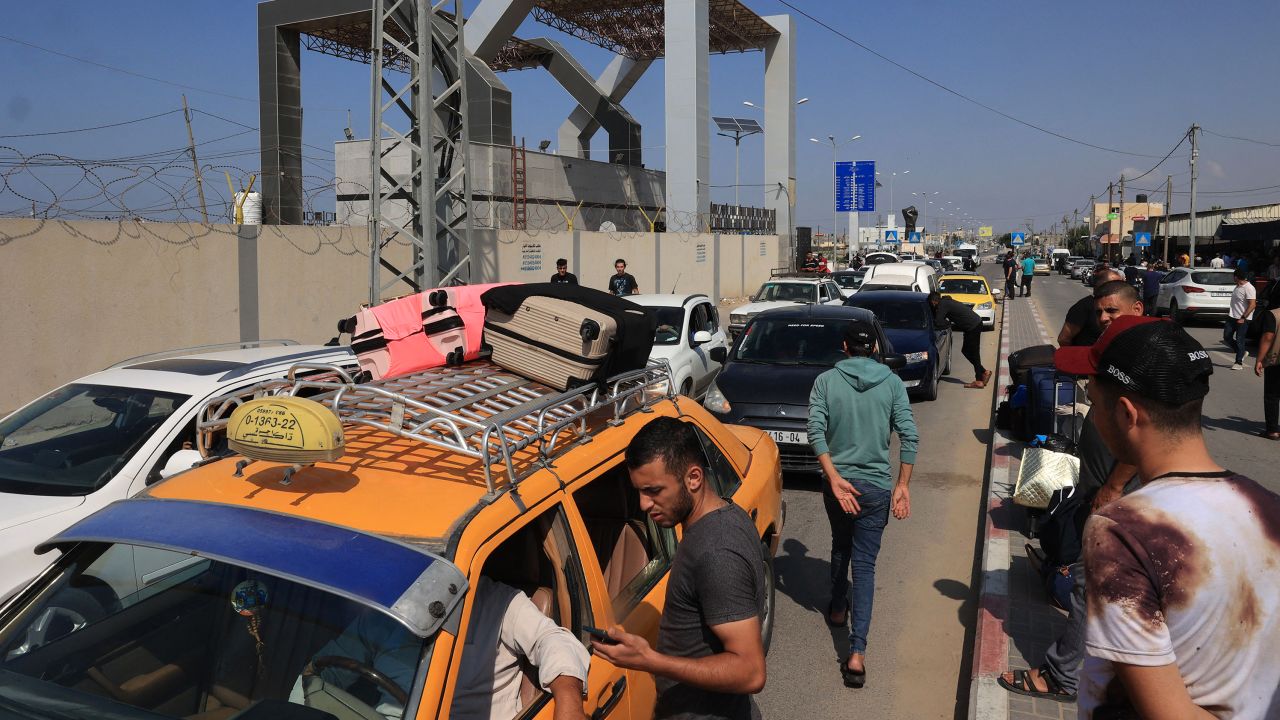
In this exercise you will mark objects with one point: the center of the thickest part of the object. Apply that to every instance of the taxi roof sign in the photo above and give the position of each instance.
(286, 429)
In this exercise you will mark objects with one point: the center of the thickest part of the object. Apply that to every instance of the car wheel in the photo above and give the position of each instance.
(686, 388)
(770, 595)
(1174, 315)
(930, 392)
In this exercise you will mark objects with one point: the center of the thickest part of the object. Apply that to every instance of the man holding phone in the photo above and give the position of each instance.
(710, 657)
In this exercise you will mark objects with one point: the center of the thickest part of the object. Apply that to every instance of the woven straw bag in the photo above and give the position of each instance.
(1041, 472)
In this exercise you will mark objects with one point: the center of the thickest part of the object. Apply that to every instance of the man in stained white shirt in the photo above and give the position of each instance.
(1181, 574)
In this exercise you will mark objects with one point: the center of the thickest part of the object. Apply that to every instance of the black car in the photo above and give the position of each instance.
(767, 376)
(907, 318)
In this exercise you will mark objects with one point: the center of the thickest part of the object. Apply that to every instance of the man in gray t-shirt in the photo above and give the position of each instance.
(710, 658)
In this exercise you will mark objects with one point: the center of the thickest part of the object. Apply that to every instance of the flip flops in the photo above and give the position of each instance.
(852, 679)
(1023, 685)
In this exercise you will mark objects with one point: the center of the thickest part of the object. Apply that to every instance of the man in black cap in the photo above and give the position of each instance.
(853, 409)
(963, 319)
(1180, 574)
(562, 273)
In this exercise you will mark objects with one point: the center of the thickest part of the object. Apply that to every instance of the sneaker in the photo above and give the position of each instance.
(1237, 366)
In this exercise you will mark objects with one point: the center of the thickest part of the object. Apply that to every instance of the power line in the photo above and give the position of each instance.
(1166, 157)
(1241, 139)
(959, 94)
(87, 129)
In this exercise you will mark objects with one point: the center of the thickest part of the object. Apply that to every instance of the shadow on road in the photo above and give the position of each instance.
(1233, 423)
(956, 590)
(807, 581)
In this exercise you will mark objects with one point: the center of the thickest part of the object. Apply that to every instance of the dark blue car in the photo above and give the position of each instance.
(907, 319)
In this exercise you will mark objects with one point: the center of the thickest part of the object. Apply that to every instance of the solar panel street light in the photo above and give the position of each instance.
(736, 128)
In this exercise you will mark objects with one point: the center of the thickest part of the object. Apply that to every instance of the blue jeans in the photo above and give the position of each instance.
(1233, 336)
(855, 543)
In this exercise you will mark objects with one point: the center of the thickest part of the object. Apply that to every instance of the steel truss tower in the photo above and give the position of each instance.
(437, 185)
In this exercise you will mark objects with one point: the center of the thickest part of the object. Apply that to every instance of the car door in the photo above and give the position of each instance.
(1168, 285)
(942, 343)
(702, 318)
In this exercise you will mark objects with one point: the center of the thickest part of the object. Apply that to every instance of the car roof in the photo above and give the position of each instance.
(205, 371)
(808, 280)
(664, 300)
(900, 295)
(966, 275)
(815, 312)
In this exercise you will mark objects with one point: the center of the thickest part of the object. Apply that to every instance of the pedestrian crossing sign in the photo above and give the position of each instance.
(915, 236)
(891, 236)
(1017, 239)
(1142, 239)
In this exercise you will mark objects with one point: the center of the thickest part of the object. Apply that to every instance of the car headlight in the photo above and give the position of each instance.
(917, 357)
(738, 318)
(715, 400)
(984, 306)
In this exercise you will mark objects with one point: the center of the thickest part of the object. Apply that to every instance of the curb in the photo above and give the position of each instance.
(987, 700)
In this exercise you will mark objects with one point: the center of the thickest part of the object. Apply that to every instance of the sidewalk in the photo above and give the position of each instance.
(1016, 623)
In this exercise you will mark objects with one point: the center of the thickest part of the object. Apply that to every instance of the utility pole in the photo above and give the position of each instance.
(1168, 208)
(1191, 233)
(1075, 223)
(1093, 203)
(195, 164)
(1120, 239)
(1111, 202)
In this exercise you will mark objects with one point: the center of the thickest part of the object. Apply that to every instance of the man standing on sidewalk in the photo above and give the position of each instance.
(1180, 573)
(1010, 276)
(1028, 273)
(1244, 298)
(852, 409)
(1081, 326)
(962, 318)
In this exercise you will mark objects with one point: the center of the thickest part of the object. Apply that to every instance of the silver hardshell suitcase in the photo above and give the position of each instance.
(555, 342)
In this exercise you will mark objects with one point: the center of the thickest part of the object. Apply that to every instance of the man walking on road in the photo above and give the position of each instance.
(710, 657)
(1010, 275)
(852, 409)
(1180, 573)
(1028, 273)
(1268, 366)
(1151, 286)
(963, 319)
(1081, 326)
(1244, 298)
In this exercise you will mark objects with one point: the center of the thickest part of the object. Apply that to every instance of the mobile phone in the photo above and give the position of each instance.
(599, 634)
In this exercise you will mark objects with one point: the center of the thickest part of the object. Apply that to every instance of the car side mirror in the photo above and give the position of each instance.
(701, 337)
(719, 354)
(894, 362)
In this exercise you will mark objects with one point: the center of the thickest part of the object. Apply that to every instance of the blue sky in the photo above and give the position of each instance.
(1131, 76)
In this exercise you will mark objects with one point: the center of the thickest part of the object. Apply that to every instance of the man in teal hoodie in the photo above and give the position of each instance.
(852, 409)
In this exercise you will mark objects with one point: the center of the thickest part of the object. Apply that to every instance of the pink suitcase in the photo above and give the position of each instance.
(407, 335)
(466, 300)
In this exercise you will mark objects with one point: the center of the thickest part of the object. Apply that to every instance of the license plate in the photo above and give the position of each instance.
(789, 437)
(1219, 294)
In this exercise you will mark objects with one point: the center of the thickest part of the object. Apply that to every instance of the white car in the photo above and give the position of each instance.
(688, 338)
(110, 434)
(785, 291)
(910, 276)
(880, 257)
(1195, 291)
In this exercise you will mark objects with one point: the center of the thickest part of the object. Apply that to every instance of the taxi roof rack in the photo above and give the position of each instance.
(479, 410)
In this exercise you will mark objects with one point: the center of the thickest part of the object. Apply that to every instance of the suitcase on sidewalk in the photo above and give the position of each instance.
(1021, 362)
(556, 342)
(1047, 390)
(565, 335)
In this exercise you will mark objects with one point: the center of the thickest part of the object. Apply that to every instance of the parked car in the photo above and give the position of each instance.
(345, 588)
(1195, 292)
(784, 291)
(1064, 268)
(1082, 267)
(849, 280)
(1042, 266)
(972, 290)
(110, 434)
(766, 380)
(880, 257)
(687, 335)
(913, 277)
(908, 321)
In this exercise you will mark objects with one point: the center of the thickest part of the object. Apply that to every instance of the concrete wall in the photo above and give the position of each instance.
(79, 296)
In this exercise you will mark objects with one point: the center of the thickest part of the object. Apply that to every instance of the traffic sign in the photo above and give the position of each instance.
(891, 237)
(856, 186)
(984, 231)
(1017, 239)
(1142, 239)
(915, 236)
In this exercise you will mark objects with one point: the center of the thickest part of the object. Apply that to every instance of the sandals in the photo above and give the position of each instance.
(1023, 685)
(831, 611)
(852, 679)
(1269, 435)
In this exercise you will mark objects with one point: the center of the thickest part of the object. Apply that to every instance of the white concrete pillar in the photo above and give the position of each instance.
(780, 125)
(688, 118)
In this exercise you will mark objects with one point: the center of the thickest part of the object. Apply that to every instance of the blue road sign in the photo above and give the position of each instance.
(1017, 239)
(856, 186)
(891, 237)
(915, 236)
(1142, 239)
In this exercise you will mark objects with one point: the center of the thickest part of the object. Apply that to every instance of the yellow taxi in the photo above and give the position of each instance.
(331, 569)
(972, 290)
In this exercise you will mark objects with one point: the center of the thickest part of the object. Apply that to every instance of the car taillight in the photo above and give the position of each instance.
(1191, 288)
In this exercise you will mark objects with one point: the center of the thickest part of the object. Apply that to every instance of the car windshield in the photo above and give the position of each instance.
(788, 292)
(197, 638)
(1214, 277)
(848, 281)
(792, 342)
(670, 321)
(962, 286)
(76, 438)
(896, 314)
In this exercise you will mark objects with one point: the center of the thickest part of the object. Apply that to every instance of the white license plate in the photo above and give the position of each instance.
(1219, 294)
(790, 437)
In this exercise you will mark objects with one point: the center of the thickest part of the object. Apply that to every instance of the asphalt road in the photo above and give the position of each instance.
(925, 603)
(1233, 409)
